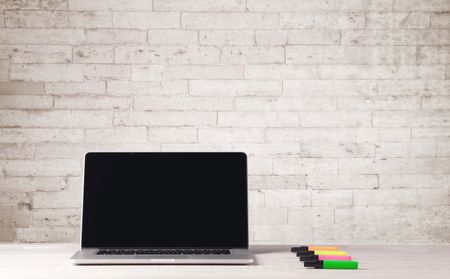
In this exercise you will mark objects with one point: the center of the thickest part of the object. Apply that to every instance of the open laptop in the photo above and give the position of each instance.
(164, 208)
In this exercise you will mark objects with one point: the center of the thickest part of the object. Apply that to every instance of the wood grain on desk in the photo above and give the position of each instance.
(272, 261)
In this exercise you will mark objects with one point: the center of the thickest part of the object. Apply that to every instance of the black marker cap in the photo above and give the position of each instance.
(311, 258)
(305, 253)
(299, 248)
(316, 264)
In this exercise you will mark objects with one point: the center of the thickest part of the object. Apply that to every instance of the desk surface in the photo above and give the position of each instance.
(376, 261)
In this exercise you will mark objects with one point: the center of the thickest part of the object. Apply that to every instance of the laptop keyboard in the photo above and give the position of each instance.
(163, 252)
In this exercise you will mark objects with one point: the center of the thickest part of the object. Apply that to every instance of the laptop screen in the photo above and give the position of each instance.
(165, 200)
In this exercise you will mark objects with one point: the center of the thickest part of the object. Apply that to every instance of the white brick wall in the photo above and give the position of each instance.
(342, 106)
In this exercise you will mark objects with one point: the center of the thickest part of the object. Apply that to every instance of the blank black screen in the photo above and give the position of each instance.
(165, 200)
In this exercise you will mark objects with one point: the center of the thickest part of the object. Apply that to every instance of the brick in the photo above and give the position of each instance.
(50, 119)
(235, 87)
(379, 103)
(252, 55)
(416, 149)
(274, 182)
(313, 37)
(339, 20)
(46, 72)
(433, 55)
(13, 217)
(332, 198)
(99, 71)
(25, 102)
(267, 215)
(92, 54)
(311, 216)
(434, 165)
(226, 135)
(255, 198)
(396, 37)
(377, 166)
(287, 197)
(229, 21)
(381, 72)
(440, 20)
(147, 72)
(41, 36)
(19, 135)
(443, 149)
(296, 20)
(350, 55)
(335, 119)
(117, 135)
(227, 37)
(27, 88)
(117, 5)
(146, 20)
(15, 199)
(285, 103)
(68, 198)
(376, 135)
(281, 233)
(2, 20)
(16, 151)
(183, 103)
(48, 235)
(172, 54)
(267, 149)
(436, 102)
(258, 119)
(202, 72)
(197, 147)
(280, 72)
(420, 5)
(259, 165)
(115, 36)
(309, 134)
(31, 184)
(414, 181)
(173, 118)
(58, 19)
(321, 5)
(4, 70)
(435, 133)
(342, 182)
(26, 5)
(271, 37)
(199, 5)
(59, 217)
(42, 167)
(330, 87)
(411, 118)
(283, 166)
(171, 134)
(172, 37)
(433, 197)
(414, 87)
(176, 87)
(75, 88)
(336, 150)
(53, 4)
(396, 20)
(36, 53)
(92, 102)
(396, 197)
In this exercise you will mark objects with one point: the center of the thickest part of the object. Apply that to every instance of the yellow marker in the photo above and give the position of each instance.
(331, 253)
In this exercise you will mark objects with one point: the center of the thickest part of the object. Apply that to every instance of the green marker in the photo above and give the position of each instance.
(329, 264)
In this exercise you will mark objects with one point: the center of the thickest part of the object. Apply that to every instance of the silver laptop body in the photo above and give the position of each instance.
(164, 208)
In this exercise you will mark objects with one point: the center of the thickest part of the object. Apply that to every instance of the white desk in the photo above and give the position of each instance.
(376, 261)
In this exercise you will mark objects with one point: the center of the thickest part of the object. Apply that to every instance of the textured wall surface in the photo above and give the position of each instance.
(342, 105)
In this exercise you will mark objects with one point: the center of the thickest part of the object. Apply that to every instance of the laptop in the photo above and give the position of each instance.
(164, 208)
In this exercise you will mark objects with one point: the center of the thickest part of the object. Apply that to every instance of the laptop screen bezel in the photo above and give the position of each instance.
(245, 207)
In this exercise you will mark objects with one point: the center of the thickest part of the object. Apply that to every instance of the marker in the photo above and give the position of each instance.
(313, 248)
(329, 264)
(313, 258)
(310, 253)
